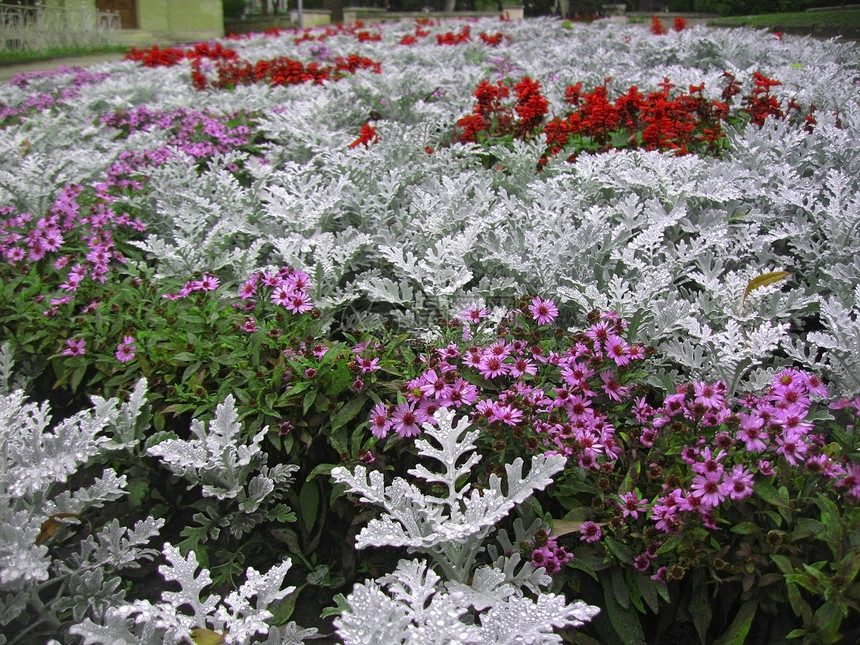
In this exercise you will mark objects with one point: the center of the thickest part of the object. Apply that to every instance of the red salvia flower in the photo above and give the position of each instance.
(366, 135)
(657, 27)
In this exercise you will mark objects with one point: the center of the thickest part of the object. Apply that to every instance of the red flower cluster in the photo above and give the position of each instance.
(666, 121)
(531, 106)
(366, 135)
(409, 39)
(761, 104)
(450, 38)
(492, 118)
(657, 27)
(683, 123)
(278, 71)
(157, 57)
(368, 37)
(232, 71)
(488, 112)
(492, 40)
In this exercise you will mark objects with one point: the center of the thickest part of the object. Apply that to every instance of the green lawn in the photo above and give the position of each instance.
(797, 19)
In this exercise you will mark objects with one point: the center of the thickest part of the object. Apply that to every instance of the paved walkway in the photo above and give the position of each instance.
(8, 71)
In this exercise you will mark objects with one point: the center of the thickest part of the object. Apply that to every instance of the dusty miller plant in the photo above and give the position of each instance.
(241, 617)
(44, 590)
(470, 602)
(40, 591)
(240, 490)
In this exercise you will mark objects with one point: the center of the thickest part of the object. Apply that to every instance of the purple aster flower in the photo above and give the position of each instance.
(125, 350)
(590, 532)
(75, 347)
(543, 311)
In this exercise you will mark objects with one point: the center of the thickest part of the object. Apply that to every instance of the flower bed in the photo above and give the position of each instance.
(269, 280)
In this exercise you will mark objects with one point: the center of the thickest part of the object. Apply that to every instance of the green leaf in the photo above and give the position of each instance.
(737, 631)
(850, 565)
(829, 619)
(624, 623)
(288, 537)
(621, 552)
(283, 609)
(798, 604)
(649, 593)
(746, 528)
(619, 588)
(309, 501)
(767, 492)
(700, 608)
(783, 563)
(586, 563)
(320, 469)
(348, 412)
(308, 401)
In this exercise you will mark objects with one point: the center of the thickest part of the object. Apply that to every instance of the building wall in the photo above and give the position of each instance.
(185, 20)
(169, 20)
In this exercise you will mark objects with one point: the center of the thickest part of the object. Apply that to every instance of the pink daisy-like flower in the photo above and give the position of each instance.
(752, 432)
(765, 467)
(522, 366)
(506, 414)
(281, 296)
(319, 351)
(299, 303)
(641, 562)
(492, 366)
(379, 421)
(475, 314)
(248, 289)
(368, 365)
(738, 483)
(708, 395)
(590, 532)
(618, 350)
(75, 347)
(271, 279)
(298, 280)
(125, 350)
(250, 325)
(631, 505)
(433, 385)
(208, 283)
(707, 490)
(543, 311)
(816, 386)
(613, 388)
(404, 421)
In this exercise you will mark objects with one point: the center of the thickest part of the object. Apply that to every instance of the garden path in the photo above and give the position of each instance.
(8, 71)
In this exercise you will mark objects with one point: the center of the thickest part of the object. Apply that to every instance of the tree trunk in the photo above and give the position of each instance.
(450, 5)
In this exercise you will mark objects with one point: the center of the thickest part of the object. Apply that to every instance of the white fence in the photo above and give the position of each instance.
(38, 28)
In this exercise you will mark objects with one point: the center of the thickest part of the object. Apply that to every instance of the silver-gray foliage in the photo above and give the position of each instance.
(242, 616)
(83, 592)
(414, 604)
(231, 469)
(36, 462)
